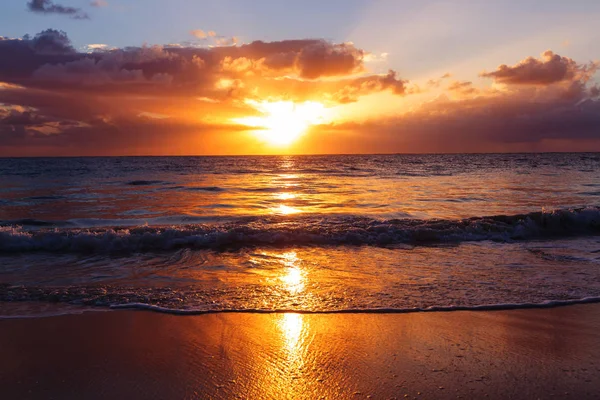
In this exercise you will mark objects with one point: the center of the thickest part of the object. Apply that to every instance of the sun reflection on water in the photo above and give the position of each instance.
(286, 196)
(282, 209)
(293, 278)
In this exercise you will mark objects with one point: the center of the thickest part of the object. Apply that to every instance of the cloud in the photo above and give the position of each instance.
(56, 100)
(92, 47)
(223, 41)
(554, 117)
(324, 59)
(99, 3)
(199, 33)
(48, 7)
(489, 126)
(463, 88)
(18, 123)
(52, 42)
(48, 60)
(70, 96)
(308, 59)
(367, 85)
(550, 68)
(437, 82)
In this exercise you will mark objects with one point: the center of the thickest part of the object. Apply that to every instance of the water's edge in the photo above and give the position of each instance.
(441, 309)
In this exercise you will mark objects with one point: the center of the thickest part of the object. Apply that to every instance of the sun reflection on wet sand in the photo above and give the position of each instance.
(294, 348)
(299, 356)
(291, 326)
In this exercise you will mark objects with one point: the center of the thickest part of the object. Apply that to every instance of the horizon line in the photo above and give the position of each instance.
(306, 154)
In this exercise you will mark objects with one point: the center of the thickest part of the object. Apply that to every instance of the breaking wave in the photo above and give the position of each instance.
(299, 231)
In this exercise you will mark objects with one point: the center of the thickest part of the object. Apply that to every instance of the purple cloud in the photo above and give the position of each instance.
(48, 7)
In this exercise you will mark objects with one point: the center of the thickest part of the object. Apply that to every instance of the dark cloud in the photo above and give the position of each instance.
(550, 68)
(17, 117)
(19, 123)
(49, 61)
(537, 119)
(52, 41)
(21, 57)
(324, 59)
(309, 58)
(48, 7)
(124, 135)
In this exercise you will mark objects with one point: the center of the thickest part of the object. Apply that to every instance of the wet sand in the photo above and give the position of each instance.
(521, 354)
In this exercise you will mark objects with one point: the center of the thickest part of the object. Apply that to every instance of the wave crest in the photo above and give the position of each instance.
(312, 230)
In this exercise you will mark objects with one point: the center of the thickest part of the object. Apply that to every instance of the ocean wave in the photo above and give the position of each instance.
(144, 182)
(298, 231)
(206, 189)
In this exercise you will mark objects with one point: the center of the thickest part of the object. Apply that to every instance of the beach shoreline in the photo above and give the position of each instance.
(528, 353)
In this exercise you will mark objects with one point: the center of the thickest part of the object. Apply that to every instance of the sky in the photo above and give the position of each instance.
(184, 77)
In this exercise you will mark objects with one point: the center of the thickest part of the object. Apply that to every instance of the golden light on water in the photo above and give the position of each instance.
(285, 196)
(282, 209)
(293, 280)
(282, 122)
(293, 276)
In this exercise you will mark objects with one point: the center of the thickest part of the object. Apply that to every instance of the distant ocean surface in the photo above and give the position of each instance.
(366, 233)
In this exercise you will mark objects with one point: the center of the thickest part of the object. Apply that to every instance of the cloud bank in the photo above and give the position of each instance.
(56, 100)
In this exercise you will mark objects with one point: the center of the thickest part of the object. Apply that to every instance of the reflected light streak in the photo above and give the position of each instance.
(286, 196)
(289, 176)
(293, 280)
(282, 209)
(294, 276)
(291, 327)
(287, 163)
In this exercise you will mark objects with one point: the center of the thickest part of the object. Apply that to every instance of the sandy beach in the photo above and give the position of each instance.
(520, 354)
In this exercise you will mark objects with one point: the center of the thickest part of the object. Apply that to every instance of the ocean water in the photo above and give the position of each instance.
(366, 233)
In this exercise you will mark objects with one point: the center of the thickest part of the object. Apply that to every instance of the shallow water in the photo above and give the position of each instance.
(307, 233)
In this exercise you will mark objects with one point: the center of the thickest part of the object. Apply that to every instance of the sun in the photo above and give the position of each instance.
(283, 122)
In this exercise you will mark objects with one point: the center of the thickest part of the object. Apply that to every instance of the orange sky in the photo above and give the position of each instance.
(282, 97)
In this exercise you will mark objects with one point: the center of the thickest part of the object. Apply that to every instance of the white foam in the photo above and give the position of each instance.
(347, 230)
(481, 307)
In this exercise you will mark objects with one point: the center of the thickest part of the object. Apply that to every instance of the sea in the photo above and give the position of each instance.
(309, 234)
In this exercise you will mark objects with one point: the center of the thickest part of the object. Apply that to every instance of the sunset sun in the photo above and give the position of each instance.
(282, 122)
